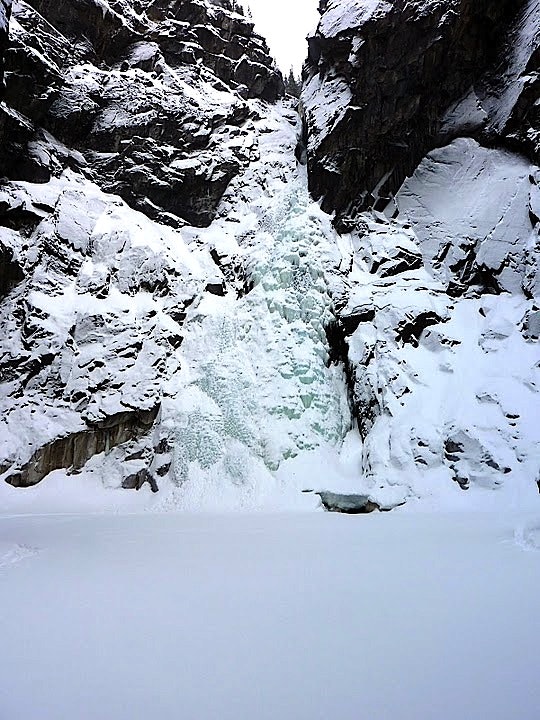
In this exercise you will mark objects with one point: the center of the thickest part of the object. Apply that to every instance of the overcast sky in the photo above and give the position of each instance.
(285, 24)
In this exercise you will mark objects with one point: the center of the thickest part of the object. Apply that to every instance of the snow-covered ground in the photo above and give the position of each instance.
(289, 617)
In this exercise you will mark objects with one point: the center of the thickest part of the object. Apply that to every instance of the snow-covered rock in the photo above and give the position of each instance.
(427, 114)
(195, 360)
(136, 89)
(470, 207)
(444, 389)
(88, 327)
(154, 102)
(264, 360)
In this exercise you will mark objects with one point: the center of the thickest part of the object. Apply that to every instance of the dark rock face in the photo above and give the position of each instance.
(5, 11)
(10, 271)
(73, 451)
(388, 82)
(146, 99)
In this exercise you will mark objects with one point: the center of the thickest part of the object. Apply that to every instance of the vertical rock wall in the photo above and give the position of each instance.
(423, 137)
(162, 103)
(142, 98)
(382, 78)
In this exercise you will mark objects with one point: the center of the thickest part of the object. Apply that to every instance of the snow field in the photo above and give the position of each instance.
(310, 617)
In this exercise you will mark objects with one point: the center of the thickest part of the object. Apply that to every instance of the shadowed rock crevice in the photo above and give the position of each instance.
(410, 331)
(363, 402)
(11, 272)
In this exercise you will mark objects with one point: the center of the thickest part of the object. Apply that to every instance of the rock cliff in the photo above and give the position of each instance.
(122, 122)
(146, 99)
(423, 137)
(386, 82)
(178, 314)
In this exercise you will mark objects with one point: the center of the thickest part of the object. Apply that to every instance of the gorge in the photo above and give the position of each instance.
(269, 366)
(161, 259)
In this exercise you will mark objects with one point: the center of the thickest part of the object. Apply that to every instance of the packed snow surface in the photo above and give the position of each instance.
(386, 617)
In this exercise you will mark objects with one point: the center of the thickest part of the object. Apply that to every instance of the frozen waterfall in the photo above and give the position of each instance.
(258, 387)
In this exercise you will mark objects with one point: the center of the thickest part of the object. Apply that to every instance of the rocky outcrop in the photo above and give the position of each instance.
(113, 107)
(351, 504)
(96, 300)
(148, 100)
(73, 451)
(387, 82)
(443, 385)
(95, 297)
(472, 209)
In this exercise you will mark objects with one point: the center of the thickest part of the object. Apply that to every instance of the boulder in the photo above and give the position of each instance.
(349, 504)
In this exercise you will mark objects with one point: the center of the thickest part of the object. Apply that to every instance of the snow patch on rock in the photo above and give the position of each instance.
(342, 16)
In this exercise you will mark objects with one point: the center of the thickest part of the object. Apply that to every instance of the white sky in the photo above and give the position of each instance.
(285, 25)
